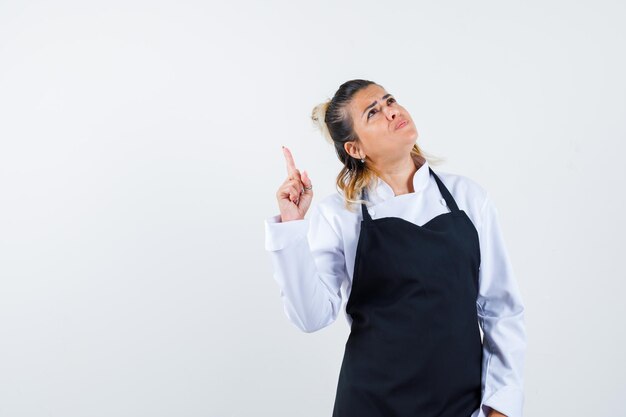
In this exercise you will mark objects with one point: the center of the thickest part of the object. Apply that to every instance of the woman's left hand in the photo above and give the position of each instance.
(495, 413)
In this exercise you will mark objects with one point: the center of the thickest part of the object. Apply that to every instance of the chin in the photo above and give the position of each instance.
(412, 137)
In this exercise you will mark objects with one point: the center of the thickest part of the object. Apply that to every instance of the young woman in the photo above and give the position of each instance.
(419, 258)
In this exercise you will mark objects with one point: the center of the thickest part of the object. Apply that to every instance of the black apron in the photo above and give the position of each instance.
(414, 348)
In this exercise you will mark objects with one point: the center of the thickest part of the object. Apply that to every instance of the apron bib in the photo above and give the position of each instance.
(414, 348)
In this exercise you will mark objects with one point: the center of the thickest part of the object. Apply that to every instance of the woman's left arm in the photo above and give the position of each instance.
(501, 315)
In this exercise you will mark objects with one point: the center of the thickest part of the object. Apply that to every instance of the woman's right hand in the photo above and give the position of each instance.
(293, 199)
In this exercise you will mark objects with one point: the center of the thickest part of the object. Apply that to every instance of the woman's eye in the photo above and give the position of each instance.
(389, 100)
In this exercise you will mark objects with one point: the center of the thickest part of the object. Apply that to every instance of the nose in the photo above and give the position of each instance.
(391, 113)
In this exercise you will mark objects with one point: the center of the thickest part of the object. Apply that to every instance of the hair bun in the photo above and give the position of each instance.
(318, 116)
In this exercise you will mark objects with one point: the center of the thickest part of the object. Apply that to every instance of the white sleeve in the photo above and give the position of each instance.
(501, 316)
(309, 267)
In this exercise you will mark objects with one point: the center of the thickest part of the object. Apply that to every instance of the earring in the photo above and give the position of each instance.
(362, 161)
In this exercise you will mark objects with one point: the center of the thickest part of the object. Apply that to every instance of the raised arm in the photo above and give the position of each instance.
(307, 254)
(309, 267)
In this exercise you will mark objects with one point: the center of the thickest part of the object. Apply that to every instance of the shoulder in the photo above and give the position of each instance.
(331, 209)
(331, 206)
(462, 185)
(469, 194)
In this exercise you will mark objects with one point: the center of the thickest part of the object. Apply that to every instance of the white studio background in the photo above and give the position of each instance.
(141, 151)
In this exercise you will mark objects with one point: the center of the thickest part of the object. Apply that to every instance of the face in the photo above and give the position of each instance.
(375, 116)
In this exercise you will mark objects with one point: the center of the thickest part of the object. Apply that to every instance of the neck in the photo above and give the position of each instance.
(399, 174)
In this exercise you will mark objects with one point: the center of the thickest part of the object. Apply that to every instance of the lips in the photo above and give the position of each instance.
(401, 124)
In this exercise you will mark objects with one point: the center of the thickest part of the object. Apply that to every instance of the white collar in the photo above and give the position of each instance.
(383, 191)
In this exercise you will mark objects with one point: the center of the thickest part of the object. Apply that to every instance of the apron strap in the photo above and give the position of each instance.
(366, 214)
(444, 192)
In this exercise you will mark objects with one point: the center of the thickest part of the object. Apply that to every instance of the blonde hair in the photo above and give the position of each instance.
(334, 122)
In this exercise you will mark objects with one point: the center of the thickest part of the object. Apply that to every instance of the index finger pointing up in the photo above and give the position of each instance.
(291, 165)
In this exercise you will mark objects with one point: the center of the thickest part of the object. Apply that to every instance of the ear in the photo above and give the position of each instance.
(352, 149)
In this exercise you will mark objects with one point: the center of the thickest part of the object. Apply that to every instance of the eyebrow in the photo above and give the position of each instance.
(374, 103)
